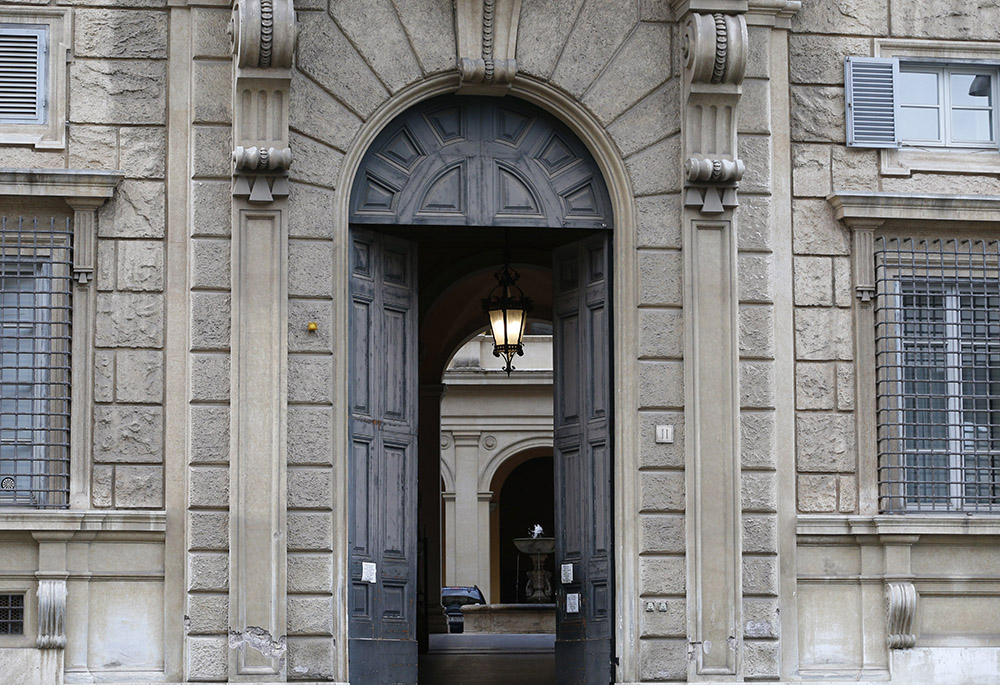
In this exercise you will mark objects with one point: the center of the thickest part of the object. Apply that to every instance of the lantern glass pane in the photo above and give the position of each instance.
(515, 326)
(497, 327)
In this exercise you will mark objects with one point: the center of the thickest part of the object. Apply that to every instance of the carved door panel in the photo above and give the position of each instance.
(479, 161)
(582, 414)
(383, 460)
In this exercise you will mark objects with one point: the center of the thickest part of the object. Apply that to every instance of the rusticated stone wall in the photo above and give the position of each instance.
(117, 121)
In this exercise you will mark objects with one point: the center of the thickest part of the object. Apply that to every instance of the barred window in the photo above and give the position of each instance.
(35, 302)
(12, 614)
(938, 380)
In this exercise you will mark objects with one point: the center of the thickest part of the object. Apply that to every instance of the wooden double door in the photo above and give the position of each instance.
(384, 399)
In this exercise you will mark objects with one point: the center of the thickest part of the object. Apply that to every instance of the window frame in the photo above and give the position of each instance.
(951, 283)
(945, 109)
(43, 192)
(42, 53)
(889, 214)
(48, 132)
(40, 267)
(905, 160)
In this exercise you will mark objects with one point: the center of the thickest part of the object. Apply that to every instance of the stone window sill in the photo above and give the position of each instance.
(85, 521)
(902, 524)
(905, 161)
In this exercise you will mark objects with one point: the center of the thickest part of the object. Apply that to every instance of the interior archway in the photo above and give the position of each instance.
(522, 489)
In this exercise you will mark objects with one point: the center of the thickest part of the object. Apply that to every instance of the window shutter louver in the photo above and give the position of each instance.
(871, 101)
(21, 74)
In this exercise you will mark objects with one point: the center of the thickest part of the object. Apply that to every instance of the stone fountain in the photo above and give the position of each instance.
(539, 587)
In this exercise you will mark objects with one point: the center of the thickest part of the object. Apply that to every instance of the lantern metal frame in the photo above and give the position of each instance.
(506, 297)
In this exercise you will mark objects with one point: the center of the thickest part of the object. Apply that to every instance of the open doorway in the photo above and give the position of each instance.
(430, 190)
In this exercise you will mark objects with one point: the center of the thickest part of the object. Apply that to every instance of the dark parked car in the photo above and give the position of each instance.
(453, 598)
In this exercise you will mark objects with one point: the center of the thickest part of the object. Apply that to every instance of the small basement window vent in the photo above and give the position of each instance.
(22, 73)
(12, 614)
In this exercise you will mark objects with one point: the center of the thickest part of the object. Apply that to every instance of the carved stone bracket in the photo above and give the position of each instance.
(713, 170)
(261, 173)
(486, 32)
(263, 34)
(715, 48)
(711, 199)
(84, 237)
(901, 606)
(864, 259)
(715, 58)
(51, 613)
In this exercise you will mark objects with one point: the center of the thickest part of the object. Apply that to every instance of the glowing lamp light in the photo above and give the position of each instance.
(507, 308)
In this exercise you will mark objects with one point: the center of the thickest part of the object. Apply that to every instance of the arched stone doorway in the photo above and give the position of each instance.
(427, 187)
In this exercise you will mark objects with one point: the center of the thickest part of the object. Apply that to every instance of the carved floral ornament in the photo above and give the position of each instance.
(263, 33)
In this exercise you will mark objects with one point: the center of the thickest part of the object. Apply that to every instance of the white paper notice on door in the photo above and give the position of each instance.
(573, 603)
(367, 572)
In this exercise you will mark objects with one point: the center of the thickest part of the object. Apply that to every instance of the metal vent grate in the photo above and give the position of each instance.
(35, 304)
(22, 58)
(12, 614)
(938, 384)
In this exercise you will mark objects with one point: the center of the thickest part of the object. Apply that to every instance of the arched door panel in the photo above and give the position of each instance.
(479, 162)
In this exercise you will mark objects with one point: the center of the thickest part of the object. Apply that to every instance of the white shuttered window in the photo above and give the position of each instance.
(23, 87)
(893, 103)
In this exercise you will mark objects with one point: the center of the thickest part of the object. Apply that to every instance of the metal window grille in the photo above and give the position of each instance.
(35, 304)
(12, 614)
(937, 336)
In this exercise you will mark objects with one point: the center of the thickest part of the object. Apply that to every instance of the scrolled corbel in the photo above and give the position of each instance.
(901, 607)
(263, 33)
(715, 48)
(713, 170)
(51, 613)
(262, 159)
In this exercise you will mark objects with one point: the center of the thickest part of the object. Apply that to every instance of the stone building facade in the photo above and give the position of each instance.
(778, 266)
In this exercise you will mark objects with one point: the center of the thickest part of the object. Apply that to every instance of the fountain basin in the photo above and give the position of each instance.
(536, 545)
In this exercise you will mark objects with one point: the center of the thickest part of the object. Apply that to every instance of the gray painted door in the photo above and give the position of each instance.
(582, 412)
(383, 460)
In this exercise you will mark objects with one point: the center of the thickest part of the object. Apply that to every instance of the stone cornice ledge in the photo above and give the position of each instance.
(777, 13)
(682, 7)
(68, 183)
(71, 521)
(869, 208)
(907, 524)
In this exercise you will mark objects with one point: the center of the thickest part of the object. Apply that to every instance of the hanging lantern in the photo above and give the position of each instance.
(508, 309)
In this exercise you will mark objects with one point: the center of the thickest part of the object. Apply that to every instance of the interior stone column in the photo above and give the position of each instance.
(467, 509)
(485, 581)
